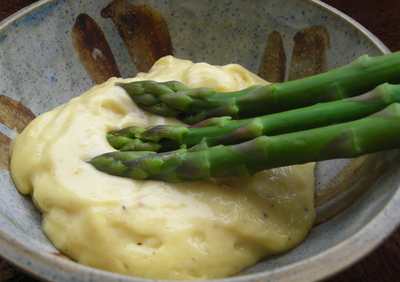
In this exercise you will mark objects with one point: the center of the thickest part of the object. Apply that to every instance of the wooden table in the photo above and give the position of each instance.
(381, 17)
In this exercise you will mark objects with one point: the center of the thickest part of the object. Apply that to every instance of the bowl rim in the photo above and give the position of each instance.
(12, 250)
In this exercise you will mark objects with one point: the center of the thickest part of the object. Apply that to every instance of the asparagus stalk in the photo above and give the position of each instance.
(195, 105)
(224, 131)
(377, 132)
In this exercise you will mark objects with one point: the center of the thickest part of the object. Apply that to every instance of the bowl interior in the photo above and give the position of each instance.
(41, 69)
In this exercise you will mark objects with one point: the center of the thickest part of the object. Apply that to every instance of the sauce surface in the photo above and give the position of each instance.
(193, 230)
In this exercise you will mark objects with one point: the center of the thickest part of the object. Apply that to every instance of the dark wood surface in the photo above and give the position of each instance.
(382, 18)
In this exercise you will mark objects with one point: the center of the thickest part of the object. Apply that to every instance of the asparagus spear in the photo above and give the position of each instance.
(378, 132)
(224, 131)
(195, 105)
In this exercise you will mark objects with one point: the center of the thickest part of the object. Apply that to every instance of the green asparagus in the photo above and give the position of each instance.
(312, 119)
(377, 132)
(195, 105)
(223, 130)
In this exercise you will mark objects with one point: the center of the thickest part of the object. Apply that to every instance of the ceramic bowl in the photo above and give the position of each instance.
(47, 53)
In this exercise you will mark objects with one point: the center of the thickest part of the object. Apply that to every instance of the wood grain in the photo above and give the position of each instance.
(381, 18)
(9, 7)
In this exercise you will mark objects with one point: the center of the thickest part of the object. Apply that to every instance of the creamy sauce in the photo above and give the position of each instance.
(193, 230)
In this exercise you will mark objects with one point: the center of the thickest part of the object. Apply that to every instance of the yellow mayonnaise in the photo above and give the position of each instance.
(192, 230)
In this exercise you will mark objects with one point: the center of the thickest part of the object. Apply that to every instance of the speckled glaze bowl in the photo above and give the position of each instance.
(53, 50)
